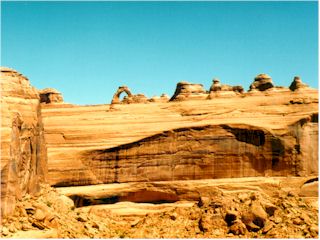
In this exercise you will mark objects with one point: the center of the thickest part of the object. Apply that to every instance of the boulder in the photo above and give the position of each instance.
(259, 213)
(309, 189)
(231, 217)
(261, 82)
(255, 218)
(238, 228)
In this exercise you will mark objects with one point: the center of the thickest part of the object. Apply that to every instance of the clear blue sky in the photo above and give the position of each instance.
(87, 49)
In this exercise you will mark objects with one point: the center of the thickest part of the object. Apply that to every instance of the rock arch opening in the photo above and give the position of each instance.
(121, 89)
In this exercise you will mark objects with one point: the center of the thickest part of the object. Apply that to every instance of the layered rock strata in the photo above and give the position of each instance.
(183, 140)
(50, 95)
(218, 90)
(162, 98)
(23, 149)
(262, 82)
(185, 90)
(297, 84)
(116, 96)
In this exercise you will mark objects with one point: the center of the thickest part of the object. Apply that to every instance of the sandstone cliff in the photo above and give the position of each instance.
(23, 150)
(259, 135)
(240, 164)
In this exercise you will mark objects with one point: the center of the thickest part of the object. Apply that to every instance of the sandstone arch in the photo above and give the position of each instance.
(121, 89)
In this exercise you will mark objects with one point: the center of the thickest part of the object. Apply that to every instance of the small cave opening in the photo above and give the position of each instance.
(153, 197)
(315, 118)
(44, 98)
(252, 136)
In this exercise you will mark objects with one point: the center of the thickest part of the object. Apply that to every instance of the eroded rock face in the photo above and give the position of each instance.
(50, 95)
(162, 98)
(129, 98)
(297, 84)
(218, 151)
(185, 90)
(292, 151)
(116, 96)
(218, 90)
(261, 82)
(216, 86)
(23, 150)
(137, 98)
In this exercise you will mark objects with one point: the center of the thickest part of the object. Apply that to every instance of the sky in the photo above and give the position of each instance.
(86, 50)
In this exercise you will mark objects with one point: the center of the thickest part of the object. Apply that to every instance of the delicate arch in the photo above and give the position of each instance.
(120, 90)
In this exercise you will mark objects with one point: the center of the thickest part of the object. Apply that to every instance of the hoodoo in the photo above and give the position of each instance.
(297, 84)
(262, 82)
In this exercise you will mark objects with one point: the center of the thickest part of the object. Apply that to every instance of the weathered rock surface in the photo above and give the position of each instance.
(222, 213)
(137, 98)
(129, 98)
(116, 96)
(50, 95)
(183, 140)
(295, 217)
(185, 90)
(151, 154)
(213, 151)
(218, 90)
(310, 188)
(216, 85)
(162, 98)
(23, 150)
(261, 82)
(297, 84)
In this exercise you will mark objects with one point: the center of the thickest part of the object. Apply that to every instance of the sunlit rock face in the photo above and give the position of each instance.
(188, 91)
(207, 152)
(253, 135)
(50, 95)
(223, 90)
(297, 84)
(262, 82)
(273, 134)
(23, 150)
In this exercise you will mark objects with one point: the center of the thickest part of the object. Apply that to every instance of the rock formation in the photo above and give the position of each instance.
(216, 86)
(297, 84)
(50, 95)
(261, 82)
(130, 98)
(245, 208)
(23, 149)
(136, 98)
(121, 89)
(76, 150)
(218, 90)
(185, 90)
(246, 165)
(162, 98)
